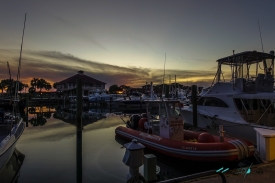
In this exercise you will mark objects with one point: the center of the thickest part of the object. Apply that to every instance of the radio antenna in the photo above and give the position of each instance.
(260, 35)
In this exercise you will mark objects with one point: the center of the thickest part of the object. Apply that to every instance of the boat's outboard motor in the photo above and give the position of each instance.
(134, 119)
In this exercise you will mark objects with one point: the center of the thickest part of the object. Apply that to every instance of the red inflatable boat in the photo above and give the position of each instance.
(168, 137)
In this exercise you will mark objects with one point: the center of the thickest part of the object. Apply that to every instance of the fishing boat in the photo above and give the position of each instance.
(241, 97)
(162, 129)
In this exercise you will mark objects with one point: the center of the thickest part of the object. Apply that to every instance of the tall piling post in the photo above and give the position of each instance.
(79, 131)
(140, 105)
(194, 104)
(110, 104)
(27, 110)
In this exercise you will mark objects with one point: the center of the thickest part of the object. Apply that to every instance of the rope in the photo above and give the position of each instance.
(137, 179)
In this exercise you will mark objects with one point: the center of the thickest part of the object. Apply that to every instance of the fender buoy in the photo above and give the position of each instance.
(206, 138)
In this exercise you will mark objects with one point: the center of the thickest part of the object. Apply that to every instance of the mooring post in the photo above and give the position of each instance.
(101, 104)
(140, 105)
(63, 101)
(194, 102)
(79, 131)
(27, 109)
(110, 106)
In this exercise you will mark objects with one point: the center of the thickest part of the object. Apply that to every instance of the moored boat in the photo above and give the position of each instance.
(241, 97)
(11, 128)
(165, 134)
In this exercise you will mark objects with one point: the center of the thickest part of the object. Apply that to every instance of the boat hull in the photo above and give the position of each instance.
(231, 128)
(8, 145)
(229, 150)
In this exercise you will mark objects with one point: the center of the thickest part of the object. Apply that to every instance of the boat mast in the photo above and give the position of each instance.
(19, 65)
(19, 68)
(261, 35)
(10, 83)
(176, 90)
(235, 70)
(163, 77)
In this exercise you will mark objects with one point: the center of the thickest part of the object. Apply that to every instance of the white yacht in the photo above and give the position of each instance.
(243, 102)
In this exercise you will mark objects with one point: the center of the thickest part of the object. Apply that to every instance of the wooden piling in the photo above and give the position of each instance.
(194, 104)
(27, 109)
(110, 106)
(79, 131)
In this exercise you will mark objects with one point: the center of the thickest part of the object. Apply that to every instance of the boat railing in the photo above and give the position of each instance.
(261, 83)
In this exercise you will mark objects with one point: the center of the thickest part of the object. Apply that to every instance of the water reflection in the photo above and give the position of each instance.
(88, 116)
(98, 158)
(39, 115)
(11, 171)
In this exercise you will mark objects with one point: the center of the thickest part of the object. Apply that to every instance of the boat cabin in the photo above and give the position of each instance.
(251, 87)
(164, 119)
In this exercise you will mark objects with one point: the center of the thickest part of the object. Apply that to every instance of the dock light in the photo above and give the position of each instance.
(133, 157)
(219, 169)
(225, 170)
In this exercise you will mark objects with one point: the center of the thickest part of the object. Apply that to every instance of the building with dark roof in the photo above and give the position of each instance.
(89, 84)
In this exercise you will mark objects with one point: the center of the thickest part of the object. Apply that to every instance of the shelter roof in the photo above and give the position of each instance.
(85, 79)
(246, 57)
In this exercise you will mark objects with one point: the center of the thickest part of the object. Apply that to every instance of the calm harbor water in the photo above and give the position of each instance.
(49, 146)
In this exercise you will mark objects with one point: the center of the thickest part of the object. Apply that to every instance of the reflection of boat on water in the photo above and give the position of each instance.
(11, 128)
(165, 134)
(11, 170)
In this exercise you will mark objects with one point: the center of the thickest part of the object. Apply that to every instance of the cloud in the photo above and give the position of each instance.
(75, 29)
(56, 66)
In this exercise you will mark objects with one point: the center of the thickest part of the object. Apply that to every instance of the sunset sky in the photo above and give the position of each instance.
(125, 41)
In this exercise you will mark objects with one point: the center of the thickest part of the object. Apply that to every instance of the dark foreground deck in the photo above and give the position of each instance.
(263, 172)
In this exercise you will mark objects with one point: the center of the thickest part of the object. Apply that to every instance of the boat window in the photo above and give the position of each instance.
(173, 110)
(211, 101)
(238, 103)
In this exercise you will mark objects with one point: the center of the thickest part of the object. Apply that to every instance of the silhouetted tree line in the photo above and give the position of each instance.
(37, 84)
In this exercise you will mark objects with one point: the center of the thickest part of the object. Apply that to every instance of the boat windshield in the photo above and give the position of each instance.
(169, 109)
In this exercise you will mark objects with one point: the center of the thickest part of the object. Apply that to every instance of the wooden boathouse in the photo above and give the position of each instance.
(90, 85)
